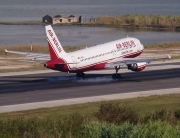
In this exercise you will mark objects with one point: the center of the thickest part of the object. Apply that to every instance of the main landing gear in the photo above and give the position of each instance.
(116, 75)
(80, 75)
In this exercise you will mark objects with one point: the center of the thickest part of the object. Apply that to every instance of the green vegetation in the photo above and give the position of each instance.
(153, 116)
(139, 20)
(150, 129)
(114, 112)
(76, 126)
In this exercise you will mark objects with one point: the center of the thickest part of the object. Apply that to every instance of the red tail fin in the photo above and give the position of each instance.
(55, 48)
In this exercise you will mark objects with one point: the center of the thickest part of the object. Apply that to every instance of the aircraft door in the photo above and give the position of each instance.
(74, 66)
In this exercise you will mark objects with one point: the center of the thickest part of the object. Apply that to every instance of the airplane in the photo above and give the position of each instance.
(104, 56)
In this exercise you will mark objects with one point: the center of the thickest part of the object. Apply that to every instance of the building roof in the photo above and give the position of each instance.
(61, 16)
(47, 16)
(72, 16)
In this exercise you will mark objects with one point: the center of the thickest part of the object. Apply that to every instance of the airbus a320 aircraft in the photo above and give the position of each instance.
(108, 55)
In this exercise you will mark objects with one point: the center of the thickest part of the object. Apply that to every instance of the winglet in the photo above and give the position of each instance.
(6, 51)
(169, 57)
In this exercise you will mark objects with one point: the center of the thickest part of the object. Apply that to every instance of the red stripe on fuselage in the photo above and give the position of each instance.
(92, 66)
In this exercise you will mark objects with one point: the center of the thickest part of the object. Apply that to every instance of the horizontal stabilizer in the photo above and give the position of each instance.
(33, 56)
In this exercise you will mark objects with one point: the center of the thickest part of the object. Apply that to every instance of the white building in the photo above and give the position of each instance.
(64, 19)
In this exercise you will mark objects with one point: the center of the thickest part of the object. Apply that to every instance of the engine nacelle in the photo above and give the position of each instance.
(137, 66)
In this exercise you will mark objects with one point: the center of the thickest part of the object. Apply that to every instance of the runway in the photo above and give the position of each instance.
(20, 89)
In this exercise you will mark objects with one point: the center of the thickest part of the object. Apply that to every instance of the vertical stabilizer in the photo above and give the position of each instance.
(55, 48)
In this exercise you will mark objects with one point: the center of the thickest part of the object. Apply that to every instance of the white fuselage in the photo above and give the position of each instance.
(94, 57)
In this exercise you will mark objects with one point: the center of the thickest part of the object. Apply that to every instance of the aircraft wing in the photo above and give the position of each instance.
(127, 61)
(31, 55)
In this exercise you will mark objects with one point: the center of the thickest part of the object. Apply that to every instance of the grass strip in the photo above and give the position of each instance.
(160, 117)
(144, 105)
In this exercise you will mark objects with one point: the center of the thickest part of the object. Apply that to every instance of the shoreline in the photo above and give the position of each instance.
(160, 28)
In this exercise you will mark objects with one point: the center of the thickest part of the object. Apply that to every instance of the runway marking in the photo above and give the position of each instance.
(55, 103)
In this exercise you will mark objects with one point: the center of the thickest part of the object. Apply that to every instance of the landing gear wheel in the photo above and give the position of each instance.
(116, 76)
(80, 75)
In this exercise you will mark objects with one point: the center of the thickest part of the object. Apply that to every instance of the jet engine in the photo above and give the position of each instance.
(137, 66)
